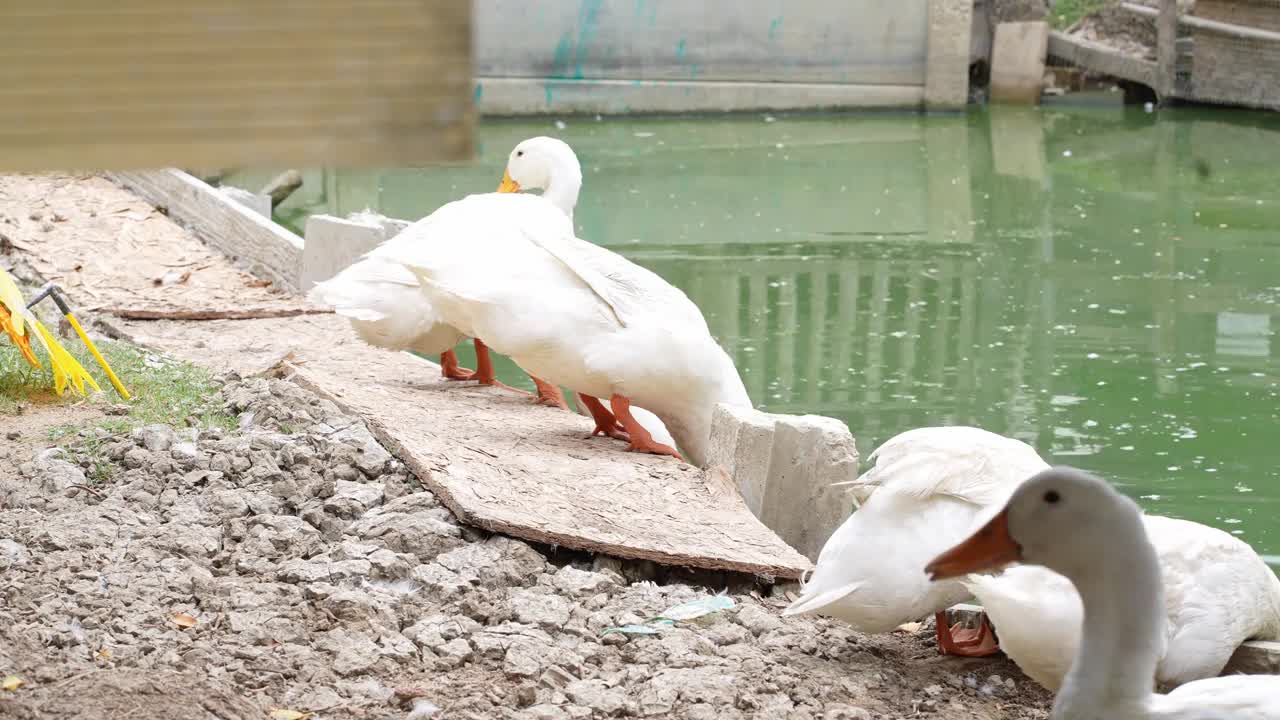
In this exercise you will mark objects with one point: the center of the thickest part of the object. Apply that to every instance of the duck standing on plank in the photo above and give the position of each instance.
(382, 299)
(581, 316)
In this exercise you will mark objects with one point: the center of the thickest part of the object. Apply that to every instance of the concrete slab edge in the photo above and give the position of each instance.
(543, 96)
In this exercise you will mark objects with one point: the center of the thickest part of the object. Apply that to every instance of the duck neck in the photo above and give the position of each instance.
(690, 427)
(688, 419)
(1123, 638)
(563, 185)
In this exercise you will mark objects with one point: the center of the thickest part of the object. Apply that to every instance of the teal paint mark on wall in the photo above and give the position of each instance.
(681, 57)
(588, 14)
(774, 28)
(562, 57)
(647, 11)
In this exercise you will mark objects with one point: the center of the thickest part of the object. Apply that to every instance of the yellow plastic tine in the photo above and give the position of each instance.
(84, 337)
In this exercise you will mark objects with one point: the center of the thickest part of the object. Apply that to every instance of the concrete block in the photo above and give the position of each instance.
(742, 443)
(332, 243)
(1017, 62)
(785, 467)
(260, 204)
(539, 96)
(390, 226)
(946, 75)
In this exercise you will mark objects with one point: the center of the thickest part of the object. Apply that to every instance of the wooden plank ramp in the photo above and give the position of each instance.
(494, 458)
(1102, 59)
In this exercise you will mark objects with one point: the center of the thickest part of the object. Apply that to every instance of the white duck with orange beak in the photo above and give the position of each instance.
(382, 299)
(576, 314)
(1078, 526)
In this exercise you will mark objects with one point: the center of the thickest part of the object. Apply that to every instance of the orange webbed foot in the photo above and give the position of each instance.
(484, 370)
(548, 394)
(450, 368)
(606, 423)
(966, 642)
(641, 440)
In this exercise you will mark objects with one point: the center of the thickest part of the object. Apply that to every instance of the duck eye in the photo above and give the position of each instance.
(519, 153)
(1052, 497)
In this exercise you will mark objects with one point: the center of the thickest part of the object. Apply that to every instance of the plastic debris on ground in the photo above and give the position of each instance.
(683, 612)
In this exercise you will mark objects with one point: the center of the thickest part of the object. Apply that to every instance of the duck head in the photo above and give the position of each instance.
(546, 164)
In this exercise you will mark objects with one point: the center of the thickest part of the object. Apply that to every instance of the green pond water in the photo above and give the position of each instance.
(1098, 281)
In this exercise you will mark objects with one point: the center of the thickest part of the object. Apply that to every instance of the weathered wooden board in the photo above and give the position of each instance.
(151, 83)
(1255, 657)
(497, 460)
(1098, 58)
(257, 243)
(1017, 62)
(144, 266)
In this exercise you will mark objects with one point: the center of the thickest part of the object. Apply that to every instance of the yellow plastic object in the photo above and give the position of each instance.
(65, 367)
(84, 337)
(12, 325)
(12, 313)
(17, 321)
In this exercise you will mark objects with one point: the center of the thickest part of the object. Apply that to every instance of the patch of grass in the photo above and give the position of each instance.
(19, 382)
(1065, 13)
(164, 391)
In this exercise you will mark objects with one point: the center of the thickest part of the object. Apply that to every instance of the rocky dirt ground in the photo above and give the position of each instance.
(262, 552)
(292, 563)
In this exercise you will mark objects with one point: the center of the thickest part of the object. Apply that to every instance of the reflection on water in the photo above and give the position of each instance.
(1096, 281)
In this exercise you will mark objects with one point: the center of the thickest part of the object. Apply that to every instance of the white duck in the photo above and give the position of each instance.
(583, 317)
(1078, 526)
(929, 483)
(928, 489)
(1218, 593)
(382, 299)
(388, 310)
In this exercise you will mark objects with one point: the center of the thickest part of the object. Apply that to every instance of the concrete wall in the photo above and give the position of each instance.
(537, 56)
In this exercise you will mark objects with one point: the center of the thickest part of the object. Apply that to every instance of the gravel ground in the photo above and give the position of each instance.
(293, 563)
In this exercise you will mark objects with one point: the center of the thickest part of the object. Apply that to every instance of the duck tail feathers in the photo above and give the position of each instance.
(808, 603)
